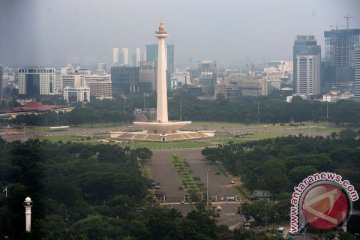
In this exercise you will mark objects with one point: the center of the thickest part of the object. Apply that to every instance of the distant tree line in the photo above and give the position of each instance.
(106, 111)
(91, 192)
(263, 110)
(184, 106)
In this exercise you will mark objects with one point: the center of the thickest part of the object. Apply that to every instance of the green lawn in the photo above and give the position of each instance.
(321, 126)
(32, 129)
(167, 145)
(65, 138)
(100, 125)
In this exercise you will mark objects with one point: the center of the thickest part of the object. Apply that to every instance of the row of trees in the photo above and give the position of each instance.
(183, 106)
(263, 109)
(91, 192)
(93, 112)
(280, 164)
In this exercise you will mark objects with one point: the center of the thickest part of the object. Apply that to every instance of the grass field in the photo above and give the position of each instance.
(224, 134)
(321, 126)
(65, 138)
(166, 145)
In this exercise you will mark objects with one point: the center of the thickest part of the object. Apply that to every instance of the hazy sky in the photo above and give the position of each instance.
(229, 31)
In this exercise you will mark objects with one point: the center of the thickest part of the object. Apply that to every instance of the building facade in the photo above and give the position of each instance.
(137, 57)
(1, 82)
(308, 75)
(357, 74)
(71, 80)
(125, 80)
(304, 45)
(147, 76)
(77, 94)
(115, 56)
(36, 81)
(236, 88)
(207, 75)
(125, 56)
(152, 55)
(339, 56)
(100, 85)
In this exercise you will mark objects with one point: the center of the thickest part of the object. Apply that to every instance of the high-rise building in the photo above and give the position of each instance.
(207, 74)
(1, 82)
(125, 80)
(71, 80)
(147, 76)
(125, 56)
(303, 45)
(115, 56)
(36, 81)
(339, 56)
(308, 69)
(137, 57)
(151, 52)
(170, 58)
(152, 55)
(357, 74)
(100, 85)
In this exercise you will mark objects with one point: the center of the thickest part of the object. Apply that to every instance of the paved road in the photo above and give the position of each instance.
(162, 171)
(219, 185)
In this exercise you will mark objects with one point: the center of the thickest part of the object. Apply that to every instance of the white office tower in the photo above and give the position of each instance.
(308, 75)
(36, 81)
(115, 56)
(28, 204)
(357, 74)
(100, 85)
(125, 56)
(137, 58)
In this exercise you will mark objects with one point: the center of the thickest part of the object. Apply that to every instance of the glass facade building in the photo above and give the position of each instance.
(152, 55)
(357, 74)
(339, 56)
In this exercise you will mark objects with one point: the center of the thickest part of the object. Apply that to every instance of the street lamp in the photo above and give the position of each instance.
(28, 204)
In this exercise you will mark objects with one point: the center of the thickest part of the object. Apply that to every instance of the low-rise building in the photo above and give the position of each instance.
(233, 89)
(100, 85)
(77, 94)
(333, 96)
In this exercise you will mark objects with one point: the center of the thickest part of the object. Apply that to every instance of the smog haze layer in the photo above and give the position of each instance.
(43, 32)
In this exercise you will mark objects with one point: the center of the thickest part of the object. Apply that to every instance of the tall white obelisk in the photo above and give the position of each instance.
(161, 89)
(162, 129)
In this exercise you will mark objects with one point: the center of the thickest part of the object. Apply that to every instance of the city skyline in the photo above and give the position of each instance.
(40, 34)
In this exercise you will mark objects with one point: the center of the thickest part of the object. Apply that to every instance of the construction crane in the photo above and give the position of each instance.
(347, 17)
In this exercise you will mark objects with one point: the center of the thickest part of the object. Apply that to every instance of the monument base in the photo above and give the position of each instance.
(166, 137)
(161, 132)
(162, 127)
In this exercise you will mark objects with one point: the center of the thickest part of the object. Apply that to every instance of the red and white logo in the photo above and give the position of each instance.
(325, 206)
